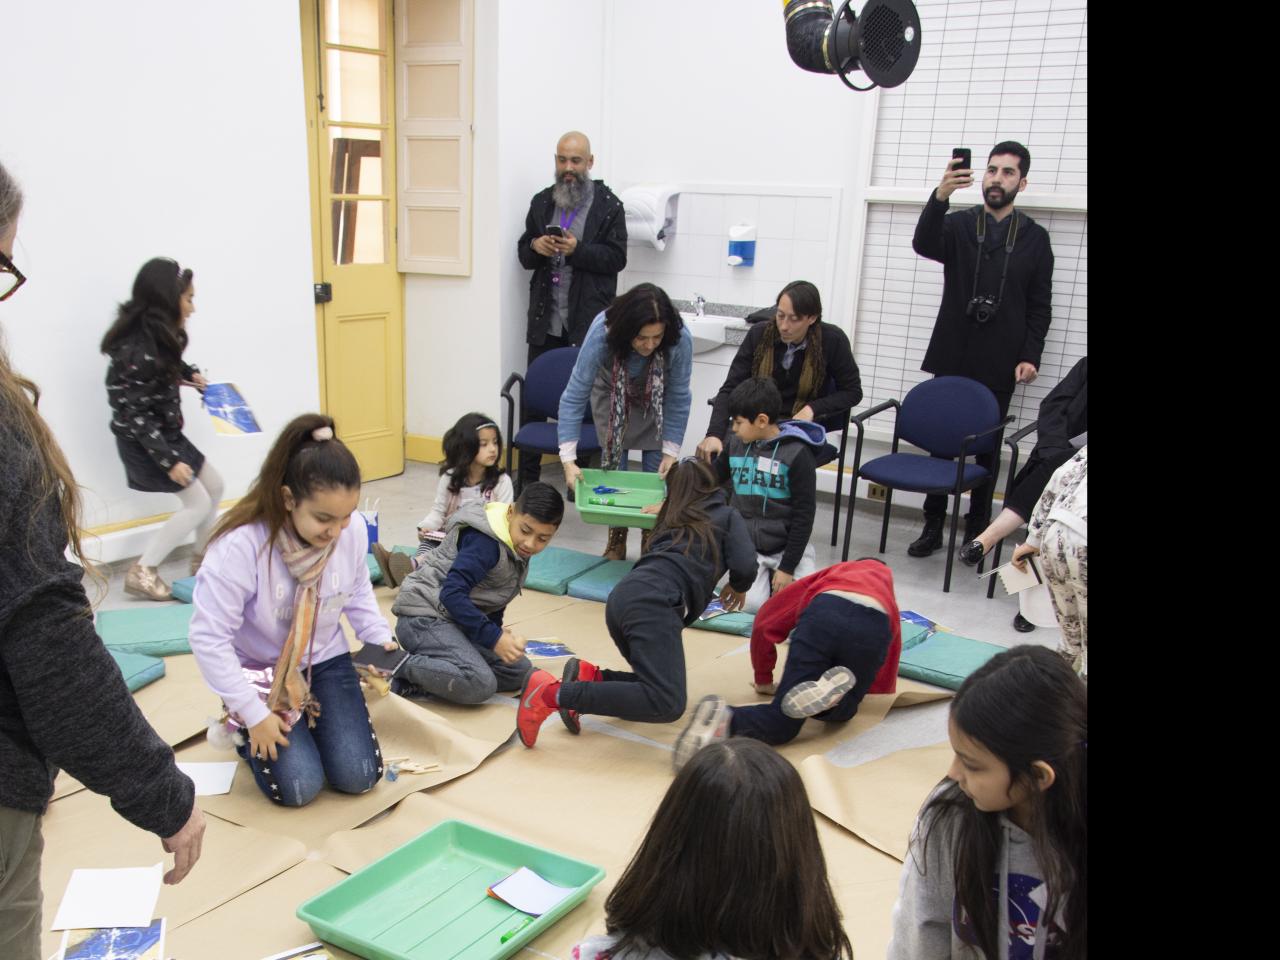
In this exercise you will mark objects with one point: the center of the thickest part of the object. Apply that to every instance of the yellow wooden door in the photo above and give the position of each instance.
(348, 70)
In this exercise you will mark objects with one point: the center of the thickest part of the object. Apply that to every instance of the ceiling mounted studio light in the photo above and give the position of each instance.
(884, 42)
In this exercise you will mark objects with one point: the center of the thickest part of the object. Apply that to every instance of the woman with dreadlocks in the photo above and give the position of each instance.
(634, 368)
(810, 361)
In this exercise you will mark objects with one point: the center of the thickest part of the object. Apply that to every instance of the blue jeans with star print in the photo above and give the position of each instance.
(341, 749)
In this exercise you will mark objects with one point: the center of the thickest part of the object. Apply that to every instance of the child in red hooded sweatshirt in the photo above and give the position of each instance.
(846, 638)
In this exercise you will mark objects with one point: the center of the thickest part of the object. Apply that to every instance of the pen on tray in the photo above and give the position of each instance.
(514, 930)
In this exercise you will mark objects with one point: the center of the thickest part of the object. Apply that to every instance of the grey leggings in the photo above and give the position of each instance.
(200, 501)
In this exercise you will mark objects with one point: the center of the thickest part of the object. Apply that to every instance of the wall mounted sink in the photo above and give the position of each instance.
(708, 331)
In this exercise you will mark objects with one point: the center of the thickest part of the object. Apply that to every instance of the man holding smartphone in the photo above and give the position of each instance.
(995, 311)
(575, 242)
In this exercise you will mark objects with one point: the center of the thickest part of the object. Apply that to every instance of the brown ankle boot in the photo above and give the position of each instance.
(145, 582)
(645, 537)
(616, 549)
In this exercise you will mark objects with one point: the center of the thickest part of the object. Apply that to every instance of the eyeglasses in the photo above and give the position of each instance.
(11, 278)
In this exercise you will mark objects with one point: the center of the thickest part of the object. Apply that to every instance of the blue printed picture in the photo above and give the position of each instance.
(115, 943)
(231, 414)
(542, 648)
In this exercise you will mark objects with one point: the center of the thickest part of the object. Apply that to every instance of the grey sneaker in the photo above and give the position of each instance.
(812, 697)
(410, 691)
(709, 724)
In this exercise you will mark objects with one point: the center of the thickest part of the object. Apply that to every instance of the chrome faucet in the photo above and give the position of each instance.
(699, 304)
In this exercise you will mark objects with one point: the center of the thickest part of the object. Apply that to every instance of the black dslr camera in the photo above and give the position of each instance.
(982, 308)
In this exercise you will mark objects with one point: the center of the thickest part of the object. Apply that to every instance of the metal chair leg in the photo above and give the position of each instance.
(951, 544)
(884, 526)
(835, 519)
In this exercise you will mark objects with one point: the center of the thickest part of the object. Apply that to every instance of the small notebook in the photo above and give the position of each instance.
(385, 662)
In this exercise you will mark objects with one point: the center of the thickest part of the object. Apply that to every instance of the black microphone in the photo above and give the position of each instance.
(884, 43)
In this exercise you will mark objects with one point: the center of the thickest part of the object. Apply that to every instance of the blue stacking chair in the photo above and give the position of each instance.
(948, 417)
(540, 390)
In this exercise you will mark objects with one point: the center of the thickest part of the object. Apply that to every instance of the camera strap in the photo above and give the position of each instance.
(1010, 240)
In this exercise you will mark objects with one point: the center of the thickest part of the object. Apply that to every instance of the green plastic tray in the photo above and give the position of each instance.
(642, 490)
(428, 900)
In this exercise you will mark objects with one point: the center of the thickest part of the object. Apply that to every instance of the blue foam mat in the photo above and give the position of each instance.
(598, 582)
(941, 658)
(184, 588)
(555, 568)
(157, 631)
(733, 623)
(138, 669)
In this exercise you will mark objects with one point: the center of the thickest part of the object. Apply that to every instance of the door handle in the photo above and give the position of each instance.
(323, 292)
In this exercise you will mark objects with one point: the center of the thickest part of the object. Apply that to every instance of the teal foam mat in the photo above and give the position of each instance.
(157, 631)
(552, 570)
(184, 588)
(375, 571)
(945, 659)
(598, 582)
(735, 623)
(138, 669)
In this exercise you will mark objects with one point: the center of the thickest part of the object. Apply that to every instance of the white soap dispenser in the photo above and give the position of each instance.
(742, 245)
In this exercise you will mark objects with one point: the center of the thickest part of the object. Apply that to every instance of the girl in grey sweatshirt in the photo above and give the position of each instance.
(997, 868)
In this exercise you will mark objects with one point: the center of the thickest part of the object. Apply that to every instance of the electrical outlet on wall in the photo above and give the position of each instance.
(876, 491)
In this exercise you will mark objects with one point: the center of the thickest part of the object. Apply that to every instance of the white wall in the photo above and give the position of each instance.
(159, 129)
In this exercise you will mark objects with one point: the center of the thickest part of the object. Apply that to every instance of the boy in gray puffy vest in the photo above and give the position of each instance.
(449, 611)
(770, 468)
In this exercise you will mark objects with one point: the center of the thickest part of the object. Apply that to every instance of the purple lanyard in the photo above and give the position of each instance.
(566, 224)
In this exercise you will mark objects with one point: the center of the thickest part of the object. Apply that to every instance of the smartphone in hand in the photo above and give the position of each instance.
(554, 230)
(965, 156)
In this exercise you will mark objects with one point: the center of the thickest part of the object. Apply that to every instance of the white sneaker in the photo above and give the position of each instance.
(812, 697)
(709, 724)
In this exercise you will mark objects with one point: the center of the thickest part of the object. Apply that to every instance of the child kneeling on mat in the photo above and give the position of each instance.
(450, 609)
(697, 533)
(771, 469)
(282, 565)
(730, 867)
(846, 638)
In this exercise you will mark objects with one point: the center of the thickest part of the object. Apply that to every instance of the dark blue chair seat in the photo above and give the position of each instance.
(543, 438)
(919, 474)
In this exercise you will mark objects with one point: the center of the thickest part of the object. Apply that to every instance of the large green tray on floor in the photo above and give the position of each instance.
(642, 490)
(428, 899)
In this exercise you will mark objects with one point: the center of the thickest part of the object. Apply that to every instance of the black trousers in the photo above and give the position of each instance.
(645, 617)
(832, 632)
(935, 504)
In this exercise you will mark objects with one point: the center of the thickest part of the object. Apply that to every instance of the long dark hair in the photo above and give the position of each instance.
(683, 513)
(154, 312)
(807, 302)
(18, 400)
(300, 462)
(1024, 705)
(731, 864)
(462, 443)
(643, 304)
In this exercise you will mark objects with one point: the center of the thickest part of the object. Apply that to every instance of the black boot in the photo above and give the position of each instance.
(974, 526)
(1022, 624)
(930, 538)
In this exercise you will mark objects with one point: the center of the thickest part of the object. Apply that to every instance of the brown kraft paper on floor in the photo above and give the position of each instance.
(879, 800)
(82, 831)
(179, 705)
(404, 730)
(259, 923)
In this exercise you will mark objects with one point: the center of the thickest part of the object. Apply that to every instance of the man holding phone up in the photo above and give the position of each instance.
(995, 311)
(575, 242)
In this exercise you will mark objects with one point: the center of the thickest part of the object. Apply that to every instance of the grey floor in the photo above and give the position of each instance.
(405, 499)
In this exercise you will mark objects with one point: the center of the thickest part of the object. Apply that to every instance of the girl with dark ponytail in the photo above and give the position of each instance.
(998, 864)
(282, 565)
(145, 345)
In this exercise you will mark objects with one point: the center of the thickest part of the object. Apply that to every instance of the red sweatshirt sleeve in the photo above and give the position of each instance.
(773, 624)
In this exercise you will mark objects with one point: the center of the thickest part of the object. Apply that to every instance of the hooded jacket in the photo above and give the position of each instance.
(777, 618)
(927, 924)
(773, 485)
(451, 585)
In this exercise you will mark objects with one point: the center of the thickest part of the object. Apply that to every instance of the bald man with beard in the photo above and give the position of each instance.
(575, 275)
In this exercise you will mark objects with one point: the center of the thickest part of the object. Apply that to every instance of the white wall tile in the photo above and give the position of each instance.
(703, 212)
(740, 208)
(813, 218)
(773, 260)
(777, 217)
(809, 262)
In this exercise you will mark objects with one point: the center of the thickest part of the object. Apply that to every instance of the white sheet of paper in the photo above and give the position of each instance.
(1015, 581)
(211, 779)
(125, 897)
(529, 893)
